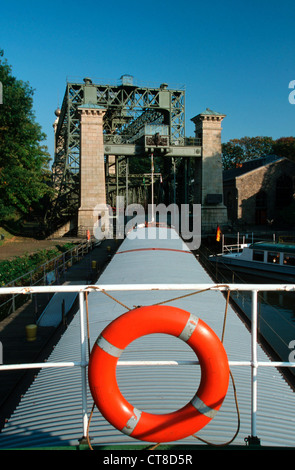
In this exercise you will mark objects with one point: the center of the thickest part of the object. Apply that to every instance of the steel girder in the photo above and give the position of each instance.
(128, 107)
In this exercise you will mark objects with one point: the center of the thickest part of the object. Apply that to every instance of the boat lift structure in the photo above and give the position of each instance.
(101, 128)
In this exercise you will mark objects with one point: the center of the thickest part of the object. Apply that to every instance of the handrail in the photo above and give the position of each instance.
(83, 363)
(59, 263)
(147, 287)
(233, 248)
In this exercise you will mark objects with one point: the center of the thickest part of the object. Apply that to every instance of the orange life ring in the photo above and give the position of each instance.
(158, 427)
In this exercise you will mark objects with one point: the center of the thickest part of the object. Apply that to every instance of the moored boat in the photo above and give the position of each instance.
(267, 259)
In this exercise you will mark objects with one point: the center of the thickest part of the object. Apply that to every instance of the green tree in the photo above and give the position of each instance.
(232, 155)
(285, 147)
(24, 173)
(237, 151)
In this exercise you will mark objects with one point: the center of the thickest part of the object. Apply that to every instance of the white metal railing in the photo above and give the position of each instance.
(39, 275)
(233, 248)
(83, 363)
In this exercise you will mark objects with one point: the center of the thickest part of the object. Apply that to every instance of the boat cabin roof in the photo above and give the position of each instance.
(273, 246)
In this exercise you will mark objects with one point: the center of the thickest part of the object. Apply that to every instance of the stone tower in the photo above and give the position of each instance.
(92, 167)
(209, 170)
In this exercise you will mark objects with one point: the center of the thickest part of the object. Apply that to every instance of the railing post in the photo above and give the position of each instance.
(13, 298)
(63, 264)
(254, 365)
(31, 283)
(84, 363)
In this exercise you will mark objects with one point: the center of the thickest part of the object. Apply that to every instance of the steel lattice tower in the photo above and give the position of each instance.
(138, 121)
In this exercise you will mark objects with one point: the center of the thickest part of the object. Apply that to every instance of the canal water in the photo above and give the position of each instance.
(276, 310)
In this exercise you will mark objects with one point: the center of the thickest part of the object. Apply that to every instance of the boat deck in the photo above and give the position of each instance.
(49, 414)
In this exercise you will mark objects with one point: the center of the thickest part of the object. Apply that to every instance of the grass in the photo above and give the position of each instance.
(6, 234)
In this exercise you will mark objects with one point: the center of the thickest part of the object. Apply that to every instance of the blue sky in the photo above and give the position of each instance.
(235, 57)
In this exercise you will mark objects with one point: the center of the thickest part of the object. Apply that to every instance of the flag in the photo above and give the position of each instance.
(218, 234)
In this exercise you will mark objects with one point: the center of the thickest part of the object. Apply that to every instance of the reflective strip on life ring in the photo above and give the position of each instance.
(158, 427)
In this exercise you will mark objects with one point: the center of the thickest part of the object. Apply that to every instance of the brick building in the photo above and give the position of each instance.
(257, 192)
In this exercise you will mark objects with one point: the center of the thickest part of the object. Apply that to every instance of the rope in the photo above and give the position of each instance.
(87, 320)
(88, 425)
(231, 375)
(238, 426)
(182, 296)
(225, 315)
(222, 339)
(233, 384)
(116, 300)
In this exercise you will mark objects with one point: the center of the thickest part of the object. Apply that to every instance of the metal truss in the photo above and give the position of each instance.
(128, 108)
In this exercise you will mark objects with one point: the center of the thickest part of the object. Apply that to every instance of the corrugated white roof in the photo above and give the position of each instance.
(50, 412)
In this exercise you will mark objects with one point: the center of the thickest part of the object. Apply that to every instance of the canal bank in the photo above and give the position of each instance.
(15, 346)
